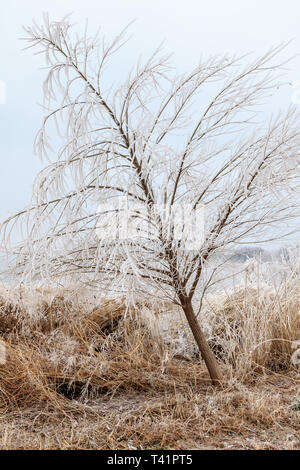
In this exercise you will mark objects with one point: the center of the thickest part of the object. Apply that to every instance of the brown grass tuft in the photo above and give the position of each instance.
(82, 375)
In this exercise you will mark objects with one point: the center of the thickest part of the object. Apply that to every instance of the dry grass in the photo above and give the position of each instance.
(86, 374)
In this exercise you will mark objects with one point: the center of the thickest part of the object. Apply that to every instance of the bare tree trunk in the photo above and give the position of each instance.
(207, 354)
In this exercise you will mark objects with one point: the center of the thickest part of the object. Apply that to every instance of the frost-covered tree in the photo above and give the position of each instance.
(134, 164)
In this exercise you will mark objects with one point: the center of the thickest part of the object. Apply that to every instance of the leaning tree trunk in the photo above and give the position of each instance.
(207, 354)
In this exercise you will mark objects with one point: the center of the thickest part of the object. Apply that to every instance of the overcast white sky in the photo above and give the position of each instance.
(189, 28)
